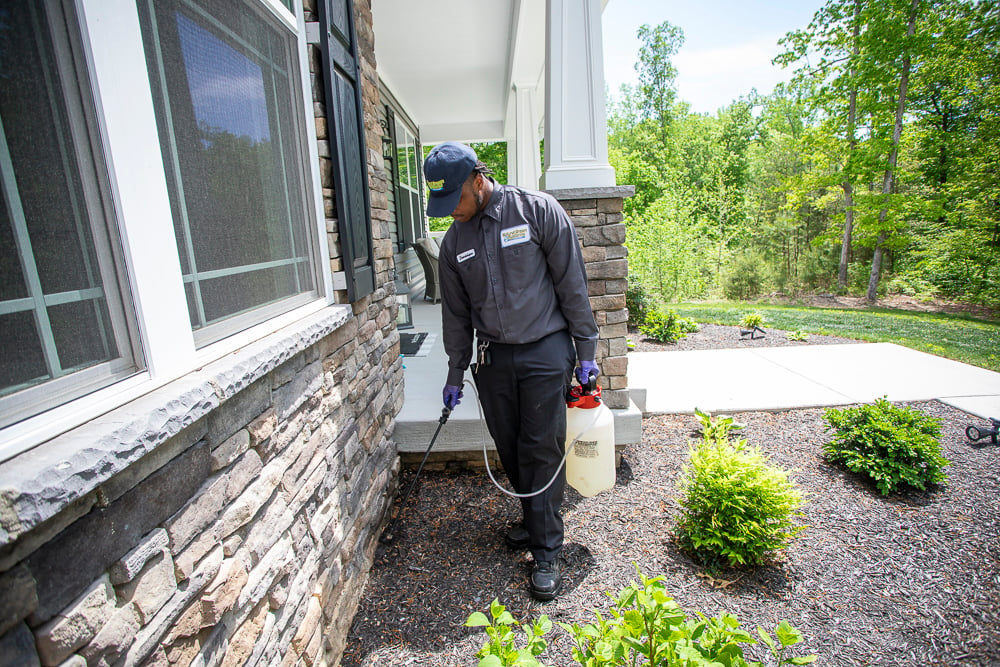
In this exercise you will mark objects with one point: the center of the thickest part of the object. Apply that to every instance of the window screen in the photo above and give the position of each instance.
(64, 325)
(230, 113)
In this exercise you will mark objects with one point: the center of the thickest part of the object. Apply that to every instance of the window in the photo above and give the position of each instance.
(66, 329)
(229, 107)
(409, 210)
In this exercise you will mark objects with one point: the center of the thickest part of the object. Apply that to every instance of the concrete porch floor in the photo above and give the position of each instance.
(424, 377)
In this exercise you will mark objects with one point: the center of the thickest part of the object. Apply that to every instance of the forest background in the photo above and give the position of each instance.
(875, 170)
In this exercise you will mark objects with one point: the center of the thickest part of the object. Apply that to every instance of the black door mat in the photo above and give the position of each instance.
(409, 343)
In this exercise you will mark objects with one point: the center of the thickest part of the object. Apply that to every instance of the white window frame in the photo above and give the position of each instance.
(92, 210)
(112, 42)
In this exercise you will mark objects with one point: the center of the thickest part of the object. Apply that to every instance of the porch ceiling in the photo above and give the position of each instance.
(451, 64)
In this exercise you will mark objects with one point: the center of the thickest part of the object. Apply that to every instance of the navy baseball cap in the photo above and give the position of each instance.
(446, 168)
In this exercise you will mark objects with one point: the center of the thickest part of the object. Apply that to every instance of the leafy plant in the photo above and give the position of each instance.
(637, 302)
(895, 446)
(751, 320)
(746, 277)
(786, 635)
(796, 335)
(646, 627)
(716, 429)
(501, 650)
(667, 327)
(737, 509)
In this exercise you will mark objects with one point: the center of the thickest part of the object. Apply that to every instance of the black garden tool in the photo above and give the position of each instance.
(975, 433)
(388, 536)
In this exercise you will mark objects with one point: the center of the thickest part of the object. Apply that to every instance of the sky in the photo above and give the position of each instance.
(727, 50)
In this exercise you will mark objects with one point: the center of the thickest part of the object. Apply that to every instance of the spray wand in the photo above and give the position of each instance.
(388, 535)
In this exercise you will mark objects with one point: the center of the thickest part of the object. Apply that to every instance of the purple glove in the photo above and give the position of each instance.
(451, 395)
(587, 371)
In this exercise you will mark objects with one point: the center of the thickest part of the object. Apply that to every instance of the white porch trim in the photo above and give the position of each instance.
(523, 156)
(576, 130)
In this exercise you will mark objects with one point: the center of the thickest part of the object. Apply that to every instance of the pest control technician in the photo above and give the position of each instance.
(515, 304)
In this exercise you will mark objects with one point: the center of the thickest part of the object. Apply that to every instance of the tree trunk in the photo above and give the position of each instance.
(889, 181)
(852, 110)
(845, 244)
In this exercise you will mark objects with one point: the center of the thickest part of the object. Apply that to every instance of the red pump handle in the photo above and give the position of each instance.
(587, 396)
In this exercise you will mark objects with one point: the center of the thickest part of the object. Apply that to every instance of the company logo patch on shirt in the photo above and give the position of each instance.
(435, 185)
(468, 254)
(515, 235)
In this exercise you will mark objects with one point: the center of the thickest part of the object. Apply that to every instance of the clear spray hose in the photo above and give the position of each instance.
(486, 456)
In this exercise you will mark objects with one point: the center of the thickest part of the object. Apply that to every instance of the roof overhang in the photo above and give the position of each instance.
(453, 64)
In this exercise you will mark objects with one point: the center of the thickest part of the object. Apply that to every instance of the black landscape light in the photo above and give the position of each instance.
(974, 433)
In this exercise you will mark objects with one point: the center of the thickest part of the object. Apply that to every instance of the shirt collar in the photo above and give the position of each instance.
(495, 204)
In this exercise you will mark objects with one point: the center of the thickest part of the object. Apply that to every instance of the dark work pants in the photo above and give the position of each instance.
(523, 392)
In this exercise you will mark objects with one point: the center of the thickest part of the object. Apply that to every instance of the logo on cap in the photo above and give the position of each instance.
(435, 185)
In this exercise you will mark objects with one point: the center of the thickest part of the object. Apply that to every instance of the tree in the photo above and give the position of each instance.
(955, 247)
(657, 73)
(866, 55)
(888, 180)
(885, 148)
(835, 35)
(494, 156)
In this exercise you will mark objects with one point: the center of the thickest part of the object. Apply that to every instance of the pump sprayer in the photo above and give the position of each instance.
(590, 459)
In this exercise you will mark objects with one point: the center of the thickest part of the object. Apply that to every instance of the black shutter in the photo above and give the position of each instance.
(345, 120)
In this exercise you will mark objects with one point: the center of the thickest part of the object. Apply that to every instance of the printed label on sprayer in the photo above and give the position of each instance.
(585, 449)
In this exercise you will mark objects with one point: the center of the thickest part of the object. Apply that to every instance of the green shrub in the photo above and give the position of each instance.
(895, 446)
(751, 320)
(745, 278)
(645, 627)
(638, 303)
(667, 327)
(736, 508)
(796, 335)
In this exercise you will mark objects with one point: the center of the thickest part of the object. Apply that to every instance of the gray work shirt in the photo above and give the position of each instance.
(514, 273)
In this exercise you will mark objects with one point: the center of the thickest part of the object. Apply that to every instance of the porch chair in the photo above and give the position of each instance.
(427, 253)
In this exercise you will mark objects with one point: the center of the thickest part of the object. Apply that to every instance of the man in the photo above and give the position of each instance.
(512, 275)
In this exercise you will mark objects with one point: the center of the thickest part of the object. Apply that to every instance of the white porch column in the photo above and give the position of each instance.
(576, 128)
(524, 162)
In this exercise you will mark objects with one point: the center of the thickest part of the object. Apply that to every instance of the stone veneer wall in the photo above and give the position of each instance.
(231, 517)
(597, 214)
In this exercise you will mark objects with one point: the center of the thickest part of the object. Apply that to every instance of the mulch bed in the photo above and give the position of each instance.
(715, 336)
(909, 579)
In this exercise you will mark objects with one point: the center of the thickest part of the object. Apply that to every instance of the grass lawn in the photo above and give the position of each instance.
(958, 337)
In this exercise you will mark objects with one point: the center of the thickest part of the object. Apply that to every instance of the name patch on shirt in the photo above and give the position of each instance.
(468, 254)
(515, 235)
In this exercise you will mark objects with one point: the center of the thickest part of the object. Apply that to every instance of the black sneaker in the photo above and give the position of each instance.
(517, 537)
(546, 580)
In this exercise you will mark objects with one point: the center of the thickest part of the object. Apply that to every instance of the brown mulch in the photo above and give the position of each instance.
(715, 336)
(908, 579)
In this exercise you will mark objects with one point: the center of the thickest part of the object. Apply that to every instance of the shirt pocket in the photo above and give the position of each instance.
(522, 264)
(475, 277)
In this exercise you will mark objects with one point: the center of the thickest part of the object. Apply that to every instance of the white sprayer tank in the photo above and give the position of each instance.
(590, 436)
